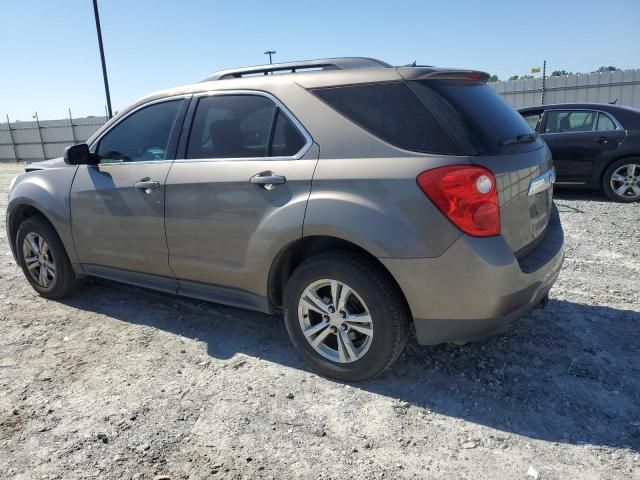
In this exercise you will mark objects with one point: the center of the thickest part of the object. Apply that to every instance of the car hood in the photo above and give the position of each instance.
(46, 164)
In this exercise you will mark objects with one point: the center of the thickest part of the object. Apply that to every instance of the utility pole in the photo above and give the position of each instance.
(544, 80)
(104, 65)
(270, 52)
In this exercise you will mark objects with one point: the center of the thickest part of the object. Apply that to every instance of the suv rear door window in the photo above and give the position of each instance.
(241, 126)
(287, 140)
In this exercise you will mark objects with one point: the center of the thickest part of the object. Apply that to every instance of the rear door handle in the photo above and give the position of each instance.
(268, 180)
(147, 185)
(602, 139)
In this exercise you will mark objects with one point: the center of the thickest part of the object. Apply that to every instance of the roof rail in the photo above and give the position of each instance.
(341, 63)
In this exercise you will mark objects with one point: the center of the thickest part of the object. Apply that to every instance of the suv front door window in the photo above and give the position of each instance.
(142, 136)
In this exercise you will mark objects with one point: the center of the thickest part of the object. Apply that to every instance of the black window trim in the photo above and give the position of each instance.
(173, 136)
(543, 124)
(280, 107)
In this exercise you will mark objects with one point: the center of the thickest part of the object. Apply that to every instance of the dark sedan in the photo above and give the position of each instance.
(593, 145)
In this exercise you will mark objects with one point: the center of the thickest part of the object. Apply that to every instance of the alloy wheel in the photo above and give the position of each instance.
(625, 181)
(335, 321)
(39, 259)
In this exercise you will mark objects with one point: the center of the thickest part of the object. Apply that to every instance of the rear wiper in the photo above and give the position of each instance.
(522, 138)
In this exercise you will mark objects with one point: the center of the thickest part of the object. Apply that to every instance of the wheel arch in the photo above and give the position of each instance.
(606, 166)
(16, 216)
(300, 250)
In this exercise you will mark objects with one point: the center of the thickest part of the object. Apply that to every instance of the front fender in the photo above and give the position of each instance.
(48, 192)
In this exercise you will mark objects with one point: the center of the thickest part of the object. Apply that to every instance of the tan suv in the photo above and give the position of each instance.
(358, 198)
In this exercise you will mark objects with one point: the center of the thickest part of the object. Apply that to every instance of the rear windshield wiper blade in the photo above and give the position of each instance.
(522, 138)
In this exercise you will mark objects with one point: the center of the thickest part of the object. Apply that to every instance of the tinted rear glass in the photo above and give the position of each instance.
(392, 112)
(489, 118)
(432, 116)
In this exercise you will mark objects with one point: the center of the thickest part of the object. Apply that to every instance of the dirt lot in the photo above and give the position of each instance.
(120, 382)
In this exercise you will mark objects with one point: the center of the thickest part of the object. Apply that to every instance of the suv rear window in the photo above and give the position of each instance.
(487, 116)
(432, 116)
(391, 112)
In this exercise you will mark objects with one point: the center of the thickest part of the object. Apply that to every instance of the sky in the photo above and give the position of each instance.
(49, 59)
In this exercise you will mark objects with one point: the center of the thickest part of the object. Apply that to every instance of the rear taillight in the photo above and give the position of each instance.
(466, 195)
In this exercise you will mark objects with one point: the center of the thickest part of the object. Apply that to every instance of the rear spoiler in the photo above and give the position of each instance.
(425, 73)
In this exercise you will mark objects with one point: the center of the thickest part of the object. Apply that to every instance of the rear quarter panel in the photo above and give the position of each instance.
(376, 204)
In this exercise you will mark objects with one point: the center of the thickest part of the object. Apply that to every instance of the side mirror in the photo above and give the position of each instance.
(79, 155)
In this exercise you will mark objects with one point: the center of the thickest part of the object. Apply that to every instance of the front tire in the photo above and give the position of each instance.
(621, 181)
(44, 260)
(345, 315)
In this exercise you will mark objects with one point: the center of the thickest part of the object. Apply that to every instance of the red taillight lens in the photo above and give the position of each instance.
(466, 195)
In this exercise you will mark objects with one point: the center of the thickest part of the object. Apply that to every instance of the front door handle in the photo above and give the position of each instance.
(602, 139)
(268, 180)
(147, 185)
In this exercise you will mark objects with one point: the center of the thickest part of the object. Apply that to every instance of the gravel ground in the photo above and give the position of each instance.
(120, 382)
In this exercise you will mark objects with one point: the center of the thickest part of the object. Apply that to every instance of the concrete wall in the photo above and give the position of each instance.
(44, 139)
(623, 85)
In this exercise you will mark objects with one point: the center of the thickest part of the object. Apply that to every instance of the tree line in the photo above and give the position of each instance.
(555, 73)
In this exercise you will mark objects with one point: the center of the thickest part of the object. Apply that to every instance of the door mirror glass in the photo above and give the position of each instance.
(79, 155)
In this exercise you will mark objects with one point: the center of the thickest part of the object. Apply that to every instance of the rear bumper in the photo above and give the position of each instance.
(477, 286)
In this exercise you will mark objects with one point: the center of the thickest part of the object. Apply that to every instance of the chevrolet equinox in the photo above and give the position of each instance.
(361, 200)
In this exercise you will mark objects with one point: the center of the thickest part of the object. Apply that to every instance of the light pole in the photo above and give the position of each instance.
(104, 65)
(270, 52)
(544, 81)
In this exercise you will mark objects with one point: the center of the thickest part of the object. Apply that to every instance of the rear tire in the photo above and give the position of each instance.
(44, 260)
(364, 331)
(621, 180)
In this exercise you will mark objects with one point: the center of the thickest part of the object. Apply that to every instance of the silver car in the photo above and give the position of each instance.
(361, 200)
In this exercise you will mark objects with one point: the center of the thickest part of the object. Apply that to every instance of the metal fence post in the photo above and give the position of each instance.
(44, 155)
(544, 81)
(73, 132)
(13, 143)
